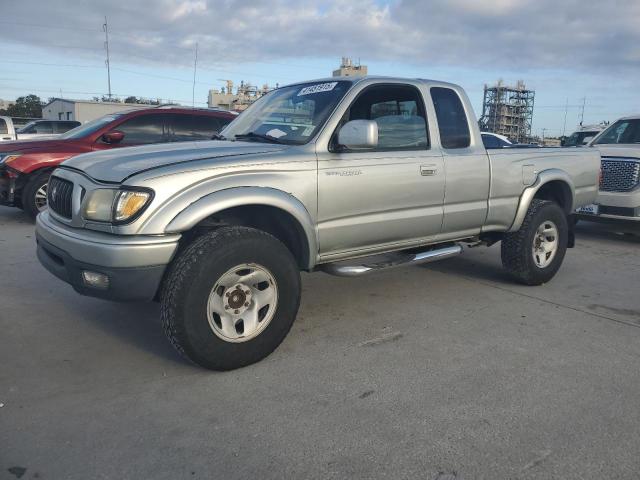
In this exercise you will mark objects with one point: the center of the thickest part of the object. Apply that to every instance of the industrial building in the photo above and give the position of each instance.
(508, 111)
(245, 95)
(83, 110)
(350, 69)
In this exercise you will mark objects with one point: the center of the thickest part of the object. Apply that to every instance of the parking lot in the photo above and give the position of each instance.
(444, 371)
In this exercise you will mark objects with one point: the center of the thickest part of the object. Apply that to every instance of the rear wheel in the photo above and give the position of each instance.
(230, 297)
(534, 253)
(34, 194)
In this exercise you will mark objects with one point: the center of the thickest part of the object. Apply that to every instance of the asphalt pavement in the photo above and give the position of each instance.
(445, 371)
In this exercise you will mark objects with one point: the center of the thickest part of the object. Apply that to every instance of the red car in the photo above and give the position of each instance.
(25, 166)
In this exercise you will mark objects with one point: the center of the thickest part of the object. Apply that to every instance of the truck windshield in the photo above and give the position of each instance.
(576, 139)
(289, 115)
(89, 127)
(623, 132)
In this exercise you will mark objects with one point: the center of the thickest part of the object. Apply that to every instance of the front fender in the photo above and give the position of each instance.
(543, 177)
(243, 196)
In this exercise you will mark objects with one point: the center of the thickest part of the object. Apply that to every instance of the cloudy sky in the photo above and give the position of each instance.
(564, 49)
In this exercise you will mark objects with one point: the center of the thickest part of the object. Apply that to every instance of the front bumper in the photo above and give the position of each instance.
(133, 264)
(622, 206)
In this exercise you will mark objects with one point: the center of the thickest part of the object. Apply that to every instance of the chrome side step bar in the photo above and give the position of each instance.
(364, 265)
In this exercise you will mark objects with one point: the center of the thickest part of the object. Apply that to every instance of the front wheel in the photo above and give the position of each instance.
(34, 194)
(535, 252)
(230, 297)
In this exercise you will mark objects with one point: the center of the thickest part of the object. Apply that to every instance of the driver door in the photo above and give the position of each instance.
(387, 197)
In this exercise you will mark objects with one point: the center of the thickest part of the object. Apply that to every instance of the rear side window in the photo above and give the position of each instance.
(490, 141)
(452, 121)
(61, 127)
(195, 127)
(3, 126)
(144, 129)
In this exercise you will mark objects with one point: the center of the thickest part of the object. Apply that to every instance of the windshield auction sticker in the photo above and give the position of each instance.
(318, 88)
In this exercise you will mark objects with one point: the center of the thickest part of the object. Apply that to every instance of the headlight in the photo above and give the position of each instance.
(117, 206)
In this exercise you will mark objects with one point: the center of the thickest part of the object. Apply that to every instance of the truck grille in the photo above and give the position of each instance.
(59, 196)
(619, 175)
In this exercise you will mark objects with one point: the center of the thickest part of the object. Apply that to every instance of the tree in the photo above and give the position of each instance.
(29, 106)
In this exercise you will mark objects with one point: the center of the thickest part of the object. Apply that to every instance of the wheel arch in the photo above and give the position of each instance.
(553, 184)
(268, 209)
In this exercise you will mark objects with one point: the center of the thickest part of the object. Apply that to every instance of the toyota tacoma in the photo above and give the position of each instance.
(346, 176)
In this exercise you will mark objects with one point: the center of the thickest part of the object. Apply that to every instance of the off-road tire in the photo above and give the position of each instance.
(28, 197)
(516, 248)
(193, 274)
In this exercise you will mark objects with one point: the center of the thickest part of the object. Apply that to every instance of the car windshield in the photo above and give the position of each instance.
(623, 132)
(27, 128)
(577, 138)
(289, 115)
(89, 127)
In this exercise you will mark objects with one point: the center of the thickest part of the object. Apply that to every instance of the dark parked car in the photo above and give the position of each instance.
(25, 166)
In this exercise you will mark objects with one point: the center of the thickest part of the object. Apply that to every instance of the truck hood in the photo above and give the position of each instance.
(629, 151)
(115, 165)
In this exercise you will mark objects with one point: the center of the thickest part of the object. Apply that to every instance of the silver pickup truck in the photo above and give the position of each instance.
(343, 175)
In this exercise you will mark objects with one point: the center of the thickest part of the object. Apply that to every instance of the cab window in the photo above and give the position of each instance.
(399, 112)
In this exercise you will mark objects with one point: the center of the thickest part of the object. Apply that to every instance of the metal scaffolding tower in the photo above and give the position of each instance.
(508, 111)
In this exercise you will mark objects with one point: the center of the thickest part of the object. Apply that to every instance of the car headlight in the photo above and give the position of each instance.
(115, 206)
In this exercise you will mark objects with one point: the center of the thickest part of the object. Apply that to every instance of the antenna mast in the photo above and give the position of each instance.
(105, 27)
(195, 67)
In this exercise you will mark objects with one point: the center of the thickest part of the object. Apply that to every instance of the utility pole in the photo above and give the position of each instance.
(195, 67)
(105, 27)
(584, 102)
(566, 107)
(543, 131)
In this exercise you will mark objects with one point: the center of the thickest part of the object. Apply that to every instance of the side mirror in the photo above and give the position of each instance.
(586, 140)
(359, 135)
(112, 137)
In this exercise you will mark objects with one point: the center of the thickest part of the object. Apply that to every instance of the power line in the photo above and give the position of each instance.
(39, 25)
(117, 95)
(74, 65)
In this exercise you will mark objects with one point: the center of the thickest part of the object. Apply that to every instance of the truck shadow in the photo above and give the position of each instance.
(613, 231)
(135, 324)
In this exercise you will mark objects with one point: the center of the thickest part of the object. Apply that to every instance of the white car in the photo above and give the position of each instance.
(619, 195)
(45, 129)
(494, 140)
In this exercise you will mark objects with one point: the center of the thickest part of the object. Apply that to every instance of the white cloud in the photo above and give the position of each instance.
(540, 34)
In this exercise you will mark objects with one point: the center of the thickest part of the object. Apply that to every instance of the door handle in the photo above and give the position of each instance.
(428, 170)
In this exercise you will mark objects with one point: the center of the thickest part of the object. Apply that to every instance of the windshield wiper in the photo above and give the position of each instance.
(258, 136)
(217, 136)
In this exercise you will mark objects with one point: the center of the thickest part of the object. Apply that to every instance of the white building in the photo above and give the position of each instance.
(4, 104)
(83, 110)
(350, 69)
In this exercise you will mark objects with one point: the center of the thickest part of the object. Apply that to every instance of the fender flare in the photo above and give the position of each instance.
(543, 177)
(243, 196)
